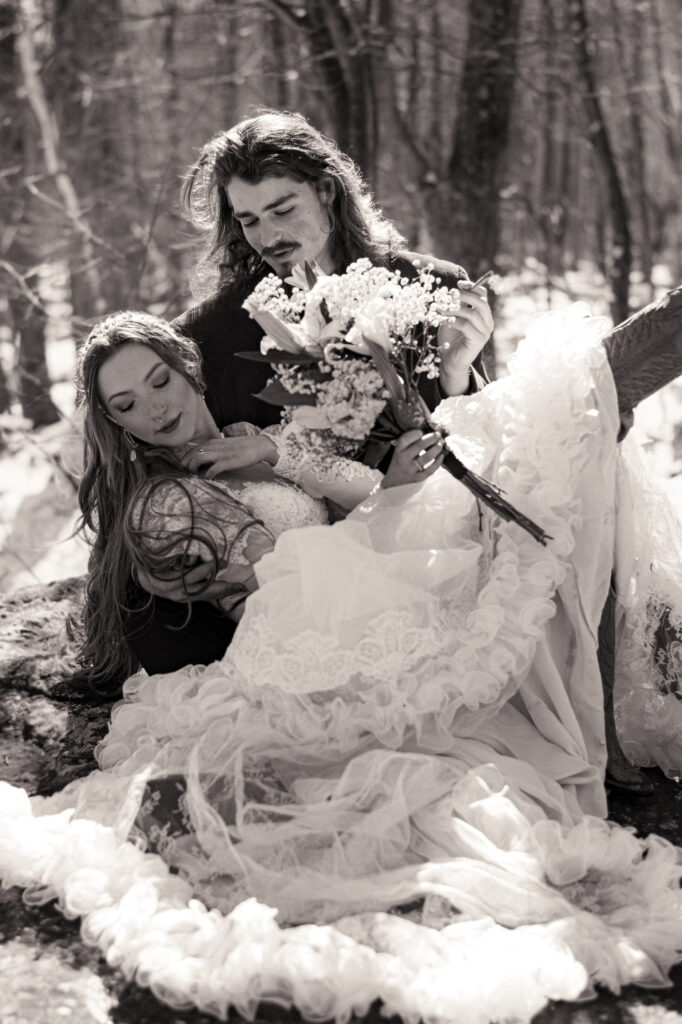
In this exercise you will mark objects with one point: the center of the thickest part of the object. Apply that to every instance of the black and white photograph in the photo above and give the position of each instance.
(341, 511)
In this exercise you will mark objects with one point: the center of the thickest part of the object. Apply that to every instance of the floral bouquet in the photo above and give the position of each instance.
(348, 351)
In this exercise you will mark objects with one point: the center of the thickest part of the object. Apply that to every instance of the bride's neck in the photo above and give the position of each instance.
(206, 426)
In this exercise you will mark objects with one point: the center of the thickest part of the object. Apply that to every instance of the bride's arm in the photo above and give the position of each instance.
(289, 452)
(321, 475)
(343, 480)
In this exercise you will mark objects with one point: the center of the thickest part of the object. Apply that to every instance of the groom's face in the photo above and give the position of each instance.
(286, 221)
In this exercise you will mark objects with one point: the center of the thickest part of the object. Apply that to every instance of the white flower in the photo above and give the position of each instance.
(288, 337)
(267, 343)
(313, 417)
(298, 278)
(333, 318)
(370, 325)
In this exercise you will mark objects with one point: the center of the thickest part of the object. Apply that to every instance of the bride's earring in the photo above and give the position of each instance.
(132, 443)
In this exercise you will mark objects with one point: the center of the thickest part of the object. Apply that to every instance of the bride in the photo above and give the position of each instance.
(391, 786)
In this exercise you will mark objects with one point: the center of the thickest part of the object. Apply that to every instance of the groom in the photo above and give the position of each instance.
(281, 193)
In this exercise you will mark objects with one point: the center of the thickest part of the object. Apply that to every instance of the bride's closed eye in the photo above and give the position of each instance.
(157, 385)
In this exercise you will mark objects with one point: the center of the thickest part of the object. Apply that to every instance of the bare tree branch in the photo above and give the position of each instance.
(28, 22)
(26, 291)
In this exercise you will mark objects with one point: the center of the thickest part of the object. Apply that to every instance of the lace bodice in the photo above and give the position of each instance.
(232, 523)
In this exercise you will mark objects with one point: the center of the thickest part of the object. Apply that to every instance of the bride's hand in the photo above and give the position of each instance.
(416, 457)
(222, 454)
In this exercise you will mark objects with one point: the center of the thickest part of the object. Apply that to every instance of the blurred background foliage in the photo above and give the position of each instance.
(493, 132)
(538, 137)
(504, 133)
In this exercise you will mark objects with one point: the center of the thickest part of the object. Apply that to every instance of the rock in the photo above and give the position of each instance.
(49, 726)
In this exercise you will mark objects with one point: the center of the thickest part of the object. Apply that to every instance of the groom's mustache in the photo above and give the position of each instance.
(275, 250)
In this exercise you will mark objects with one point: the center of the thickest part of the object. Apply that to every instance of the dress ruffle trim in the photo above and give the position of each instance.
(613, 917)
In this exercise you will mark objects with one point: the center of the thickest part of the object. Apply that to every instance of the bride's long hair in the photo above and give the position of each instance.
(110, 483)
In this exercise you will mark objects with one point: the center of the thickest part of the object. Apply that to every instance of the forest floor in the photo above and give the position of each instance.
(48, 729)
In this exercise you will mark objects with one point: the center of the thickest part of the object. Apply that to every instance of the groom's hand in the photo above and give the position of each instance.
(462, 337)
(174, 590)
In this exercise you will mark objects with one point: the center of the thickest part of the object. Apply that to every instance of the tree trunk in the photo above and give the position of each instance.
(5, 397)
(33, 382)
(619, 261)
(36, 94)
(665, 218)
(24, 232)
(343, 47)
(636, 151)
(464, 214)
(554, 172)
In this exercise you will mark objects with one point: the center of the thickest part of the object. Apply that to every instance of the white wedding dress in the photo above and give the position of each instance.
(391, 787)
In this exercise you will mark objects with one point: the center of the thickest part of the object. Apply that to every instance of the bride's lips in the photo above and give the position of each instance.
(171, 426)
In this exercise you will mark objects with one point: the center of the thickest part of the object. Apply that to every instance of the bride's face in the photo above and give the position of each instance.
(142, 393)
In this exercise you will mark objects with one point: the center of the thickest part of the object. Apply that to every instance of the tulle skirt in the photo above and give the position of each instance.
(391, 786)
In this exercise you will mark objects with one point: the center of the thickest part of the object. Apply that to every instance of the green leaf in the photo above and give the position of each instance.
(310, 274)
(276, 356)
(409, 415)
(274, 394)
(375, 452)
(404, 399)
(395, 385)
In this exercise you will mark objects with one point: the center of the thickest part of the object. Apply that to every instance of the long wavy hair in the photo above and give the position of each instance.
(278, 143)
(109, 485)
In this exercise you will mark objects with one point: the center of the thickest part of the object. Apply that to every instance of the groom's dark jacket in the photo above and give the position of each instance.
(158, 633)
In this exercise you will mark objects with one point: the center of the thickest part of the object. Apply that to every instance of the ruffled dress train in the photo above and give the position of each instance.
(391, 787)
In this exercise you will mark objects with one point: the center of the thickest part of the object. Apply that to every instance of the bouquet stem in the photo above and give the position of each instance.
(409, 411)
(491, 495)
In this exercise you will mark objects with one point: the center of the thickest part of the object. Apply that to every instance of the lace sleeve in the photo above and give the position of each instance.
(240, 429)
(175, 523)
(321, 474)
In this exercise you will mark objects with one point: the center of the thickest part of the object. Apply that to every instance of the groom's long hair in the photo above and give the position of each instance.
(278, 143)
